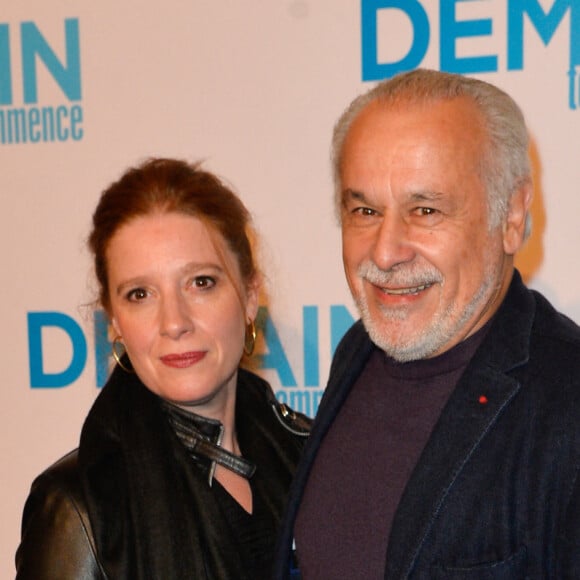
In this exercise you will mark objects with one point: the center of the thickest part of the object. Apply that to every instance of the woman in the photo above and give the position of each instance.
(185, 459)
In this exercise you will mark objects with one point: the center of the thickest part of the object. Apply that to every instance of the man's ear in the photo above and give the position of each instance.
(514, 229)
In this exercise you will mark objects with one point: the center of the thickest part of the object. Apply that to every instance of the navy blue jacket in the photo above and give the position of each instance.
(496, 492)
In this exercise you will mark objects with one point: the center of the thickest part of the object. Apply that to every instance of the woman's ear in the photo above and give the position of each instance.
(115, 326)
(514, 231)
(252, 298)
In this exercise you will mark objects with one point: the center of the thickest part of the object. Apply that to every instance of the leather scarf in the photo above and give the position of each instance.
(152, 511)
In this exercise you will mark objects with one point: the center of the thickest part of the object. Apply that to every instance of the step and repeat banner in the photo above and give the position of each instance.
(253, 89)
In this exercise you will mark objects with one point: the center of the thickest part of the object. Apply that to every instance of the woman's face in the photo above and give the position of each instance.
(180, 307)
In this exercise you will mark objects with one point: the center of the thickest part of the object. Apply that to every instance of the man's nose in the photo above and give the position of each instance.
(392, 244)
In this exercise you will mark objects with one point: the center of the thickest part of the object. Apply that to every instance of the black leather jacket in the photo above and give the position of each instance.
(57, 540)
(57, 536)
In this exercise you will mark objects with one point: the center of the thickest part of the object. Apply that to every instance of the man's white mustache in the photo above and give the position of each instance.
(400, 276)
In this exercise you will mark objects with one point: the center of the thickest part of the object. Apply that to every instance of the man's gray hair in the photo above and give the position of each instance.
(505, 163)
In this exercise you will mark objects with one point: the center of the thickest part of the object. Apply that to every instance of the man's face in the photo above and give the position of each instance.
(423, 265)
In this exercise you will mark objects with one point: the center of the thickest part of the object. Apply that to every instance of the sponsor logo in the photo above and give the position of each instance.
(303, 393)
(40, 91)
(459, 36)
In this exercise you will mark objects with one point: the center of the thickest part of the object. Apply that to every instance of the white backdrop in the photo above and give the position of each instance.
(253, 88)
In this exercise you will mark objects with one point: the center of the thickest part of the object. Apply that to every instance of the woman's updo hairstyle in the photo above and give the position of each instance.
(170, 186)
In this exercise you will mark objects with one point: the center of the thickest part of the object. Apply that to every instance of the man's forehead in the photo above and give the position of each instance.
(455, 125)
(379, 111)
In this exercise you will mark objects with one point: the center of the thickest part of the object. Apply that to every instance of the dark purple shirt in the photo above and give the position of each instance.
(366, 460)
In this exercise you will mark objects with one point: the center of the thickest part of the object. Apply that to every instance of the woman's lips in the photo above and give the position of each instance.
(183, 360)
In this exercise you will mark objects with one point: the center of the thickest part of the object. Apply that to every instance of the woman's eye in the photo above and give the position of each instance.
(137, 294)
(204, 282)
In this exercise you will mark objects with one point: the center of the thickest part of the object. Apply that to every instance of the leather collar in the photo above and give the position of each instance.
(202, 438)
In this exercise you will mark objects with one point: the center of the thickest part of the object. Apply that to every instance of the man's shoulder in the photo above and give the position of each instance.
(528, 330)
(552, 325)
(354, 338)
(349, 358)
(555, 347)
(354, 347)
(552, 371)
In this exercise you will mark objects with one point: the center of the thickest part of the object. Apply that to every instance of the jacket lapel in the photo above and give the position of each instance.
(481, 395)
(348, 362)
(346, 366)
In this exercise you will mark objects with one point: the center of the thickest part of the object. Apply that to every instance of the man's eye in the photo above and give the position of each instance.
(204, 282)
(366, 211)
(425, 211)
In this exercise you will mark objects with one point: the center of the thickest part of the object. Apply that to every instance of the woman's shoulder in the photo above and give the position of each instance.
(64, 470)
(59, 486)
(55, 522)
(292, 421)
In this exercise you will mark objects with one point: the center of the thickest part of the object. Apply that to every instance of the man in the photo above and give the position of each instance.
(447, 444)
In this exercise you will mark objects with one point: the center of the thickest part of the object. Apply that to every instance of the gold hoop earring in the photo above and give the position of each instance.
(250, 338)
(118, 357)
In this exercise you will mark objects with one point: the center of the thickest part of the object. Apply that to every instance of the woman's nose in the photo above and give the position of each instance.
(175, 317)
